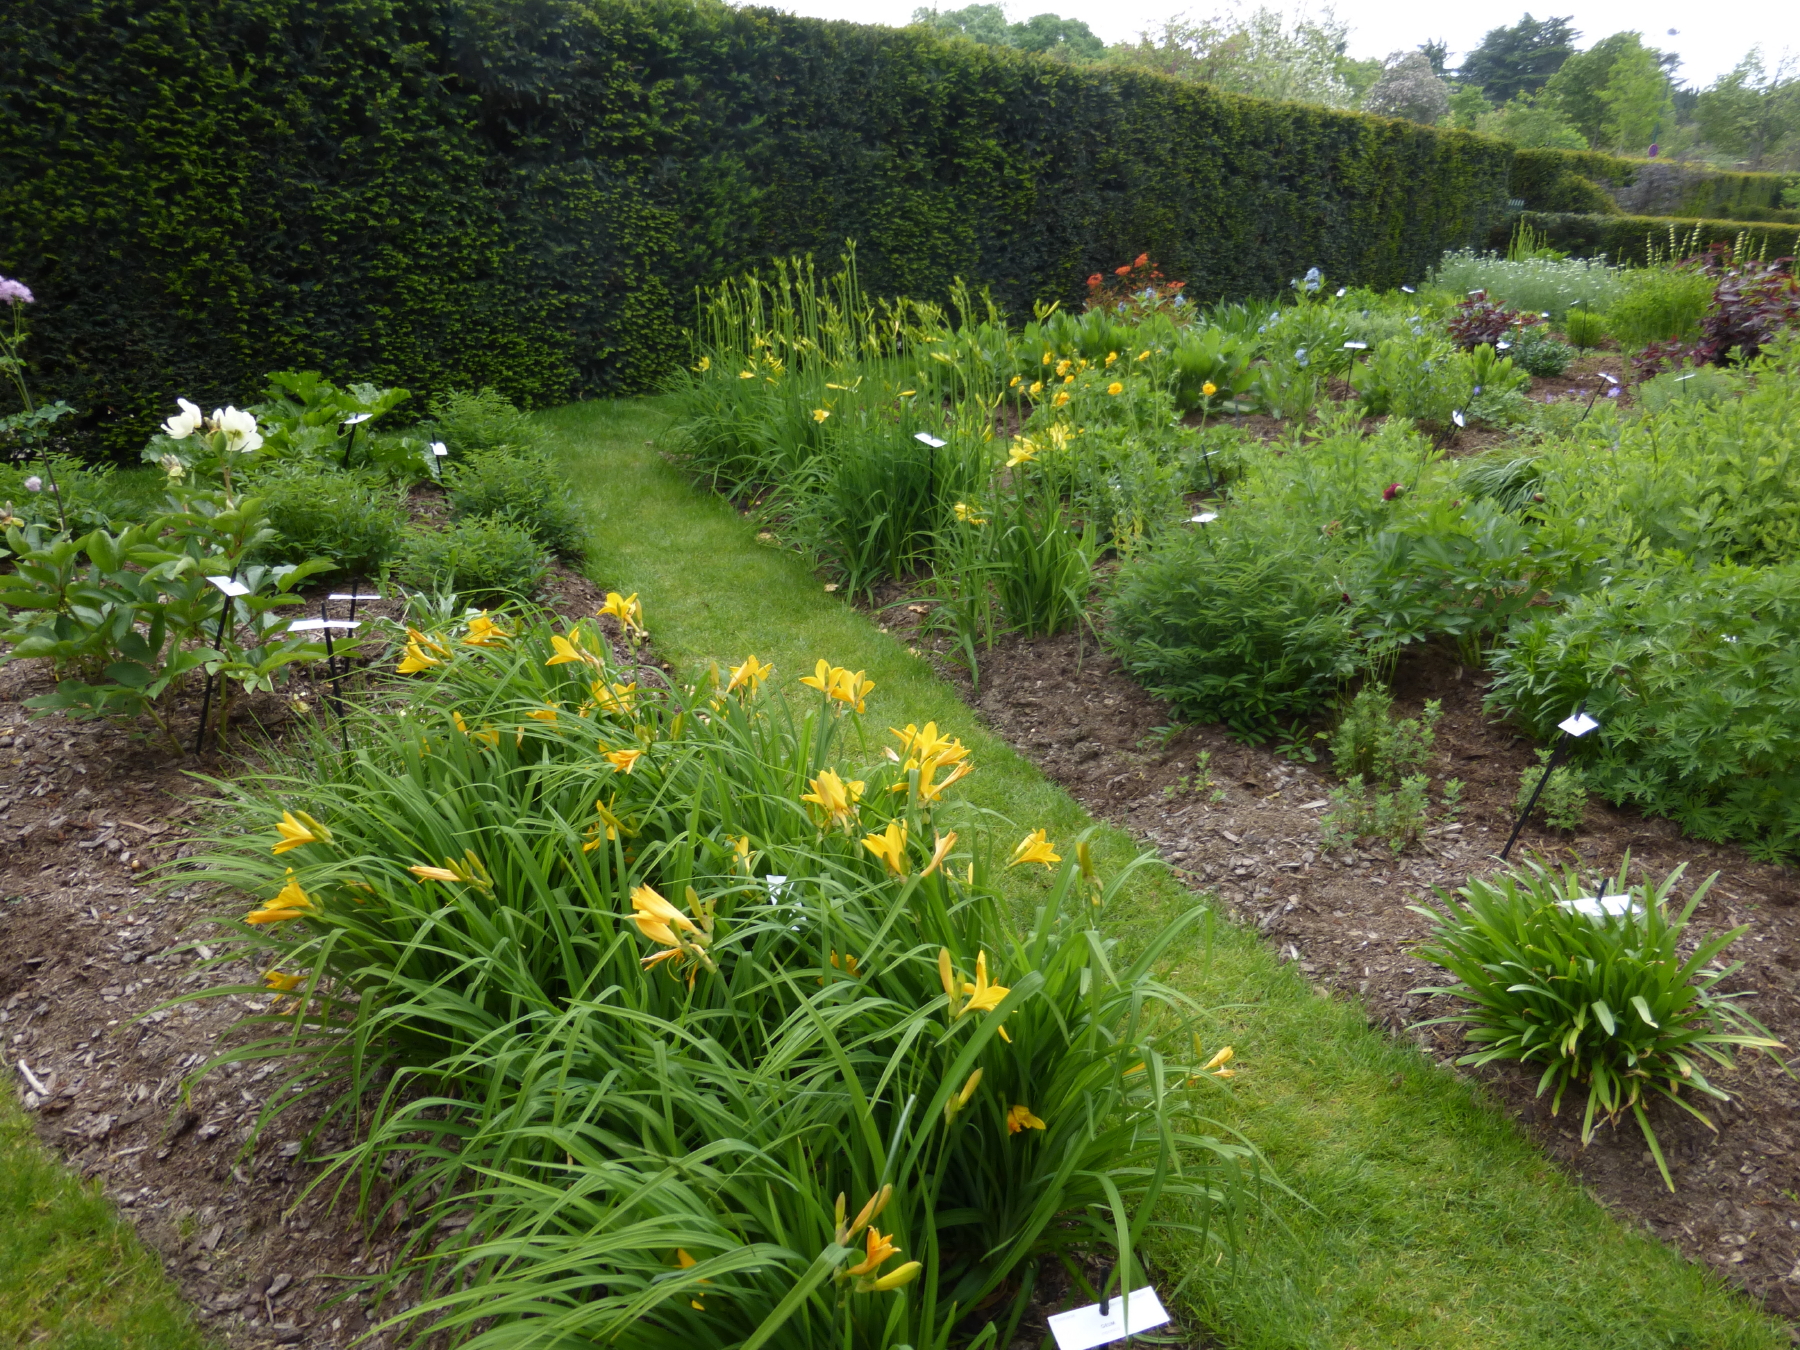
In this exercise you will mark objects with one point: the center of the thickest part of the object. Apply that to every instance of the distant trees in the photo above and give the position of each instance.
(1520, 59)
(1045, 33)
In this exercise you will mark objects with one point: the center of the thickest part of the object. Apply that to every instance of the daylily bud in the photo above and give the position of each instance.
(897, 1279)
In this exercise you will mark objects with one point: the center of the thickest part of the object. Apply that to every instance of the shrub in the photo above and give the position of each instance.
(1536, 286)
(526, 490)
(1240, 621)
(1563, 800)
(1398, 817)
(1370, 742)
(356, 520)
(470, 423)
(662, 1069)
(1694, 681)
(1584, 329)
(1607, 1006)
(1660, 304)
(483, 558)
(1537, 353)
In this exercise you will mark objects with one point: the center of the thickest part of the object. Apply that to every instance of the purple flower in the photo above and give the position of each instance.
(34, 484)
(14, 292)
(1613, 392)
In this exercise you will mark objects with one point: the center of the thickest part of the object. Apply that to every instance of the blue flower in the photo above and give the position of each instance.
(1314, 278)
(1300, 359)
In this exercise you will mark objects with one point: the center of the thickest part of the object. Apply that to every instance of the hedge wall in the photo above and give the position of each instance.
(1630, 238)
(1589, 181)
(525, 192)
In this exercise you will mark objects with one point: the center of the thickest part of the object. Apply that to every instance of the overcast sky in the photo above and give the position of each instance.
(1710, 42)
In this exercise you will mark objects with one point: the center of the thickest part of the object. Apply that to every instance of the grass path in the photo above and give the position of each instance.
(1426, 1219)
(73, 1275)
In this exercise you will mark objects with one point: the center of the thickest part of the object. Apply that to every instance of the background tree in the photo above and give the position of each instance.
(1578, 84)
(1467, 107)
(1518, 60)
(1636, 98)
(1533, 122)
(1409, 89)
(1044, 33)
(1256, 54)
(1751, 113)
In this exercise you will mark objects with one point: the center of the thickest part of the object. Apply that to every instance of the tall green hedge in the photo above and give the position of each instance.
(525, 193)
(1631, 239)
(1586, 181)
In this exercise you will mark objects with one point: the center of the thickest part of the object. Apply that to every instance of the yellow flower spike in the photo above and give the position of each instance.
(569, 649)
(1024, 450)
(820, 414)
(297, 828)
(908, 393)
(623, 760)
(899, 1277)
(1019, 1118)
(942, 847)
(290, 902)
(1035, 848)
(467, 869)
(1115, 388)
(890, 847)
(1209, 389)
(543, 714)
(281, 982)
(484, 632)
(750, 675)
(835, 799)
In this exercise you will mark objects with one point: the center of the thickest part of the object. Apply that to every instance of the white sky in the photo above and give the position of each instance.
(1710, 42)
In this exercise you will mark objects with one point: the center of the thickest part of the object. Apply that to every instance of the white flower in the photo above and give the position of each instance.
(172, 465)
(185, 423)
(239, 428)
(34, 484)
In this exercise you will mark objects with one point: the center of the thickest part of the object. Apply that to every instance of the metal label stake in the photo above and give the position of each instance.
(1573, 728)
(231, 588)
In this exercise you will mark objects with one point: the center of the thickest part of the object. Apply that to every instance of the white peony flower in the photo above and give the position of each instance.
(239, 428)
(185, 423)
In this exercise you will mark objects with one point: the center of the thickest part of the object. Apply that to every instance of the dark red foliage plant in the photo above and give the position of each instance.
(1480, 321)
(1753, 302)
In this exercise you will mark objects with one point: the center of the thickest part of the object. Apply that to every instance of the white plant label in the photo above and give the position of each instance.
(1084, 1328)
(1205, 518)
(775, 884)
(1356, 346)
(439, 449)
(314, 625)
(1577, 725)
(1602, 906)
(926, 438)
(356, 419)
(1457, 418)
(230, 585)
(336, 596)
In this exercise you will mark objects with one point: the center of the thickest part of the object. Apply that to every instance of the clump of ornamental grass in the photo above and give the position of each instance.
(1607, 1006)
(712, 1020)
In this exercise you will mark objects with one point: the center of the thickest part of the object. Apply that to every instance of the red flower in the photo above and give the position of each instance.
(1093, 281)
(1142, 258)
(1390, 492)
(1121, 271)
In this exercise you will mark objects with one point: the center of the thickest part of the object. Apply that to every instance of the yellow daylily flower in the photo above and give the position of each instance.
(876, 1249)
(297, 828)
(1035, 848)
(1020, 1118)
(929, 791)
(852, 688)
(614, 698)
(488, 736)
(281, 982)
(608, 821)
(849, 966)
(484, 632)
(750, 675)
(908, 393)
(890, 847)
(416, 657)
(1115, 388)
(661, 922)
(947, 977)
(623, 760)
(820, 679)
(569, 649)
(967, 516)
(1214, 1066)
(683, 1260)
(983, 997)
(740, 853)
(820, 414)
(746, 374)
(835, 799)
(845, 1233)
(1023, 451)
(290, 902)
(942, 847)
(542, 714)
(705, 365)
(624, 608)
(467, 869)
